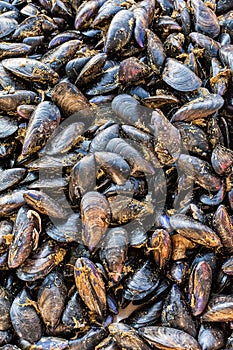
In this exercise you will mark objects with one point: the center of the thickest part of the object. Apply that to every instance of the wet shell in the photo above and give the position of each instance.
(26, 232)
(145, 316)
(142, 283)
(114, 166)
(56, 58)
(128, 109)
(10, 101)
(167, 138)
(161, 245)
(63, 37)
(44, 204)
(221, 159)
(194, 138)
(205, 19)
(211, 336)
(108, 82)
(51, 343)
(90, 285)
(68, 231)
(43, 122)
(31, 70)
(43, 261)
(125, 209)
(224, 228)
(131, 155)
(14, 49)
(180, 77)
(126, 337)
(200, 172)
(91, 69)
(195, 230)
(24, 318)
(226, 56)
(82, 178)
(5, 304)
(176, 312)
(219, 309)
(64, 139)
(51, 298)
(75, 314)
(101, 139)
(69, 99)
(119, 31)
(85, 11)
(114, 251)
(200, 282)
(7, 26)
(132, 71)
(8, 126)
(95, 213)
(6, 228)
(201, 107)
(10, 202)
(11, 177)
(167, 338)
(209, 44)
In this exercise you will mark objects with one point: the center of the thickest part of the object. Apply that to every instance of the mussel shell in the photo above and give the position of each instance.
(95, 214)
(10, 101)
(180, 77)
(70, 99)
(75, 314)
(219, 309)
(108, 82)
(205, 19)
(201, 107)
(194, 230)
(91, 69)
(117, 37)
(57, 57)
(10, 177)
(5, 304)
(8, 126)
(46, 257)
(226, 55)
(51, 298)
(7, 26)
(90, 285)
(126, 337)
(14, 49)
(26, 234)
(142, 283)
(169, 338)
(69, 231)
(31, 70)
(24, 318)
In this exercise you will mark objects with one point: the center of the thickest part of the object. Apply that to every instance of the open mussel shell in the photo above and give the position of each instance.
(180, 77)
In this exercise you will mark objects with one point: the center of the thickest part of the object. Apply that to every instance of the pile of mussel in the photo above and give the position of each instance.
(116, 185)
